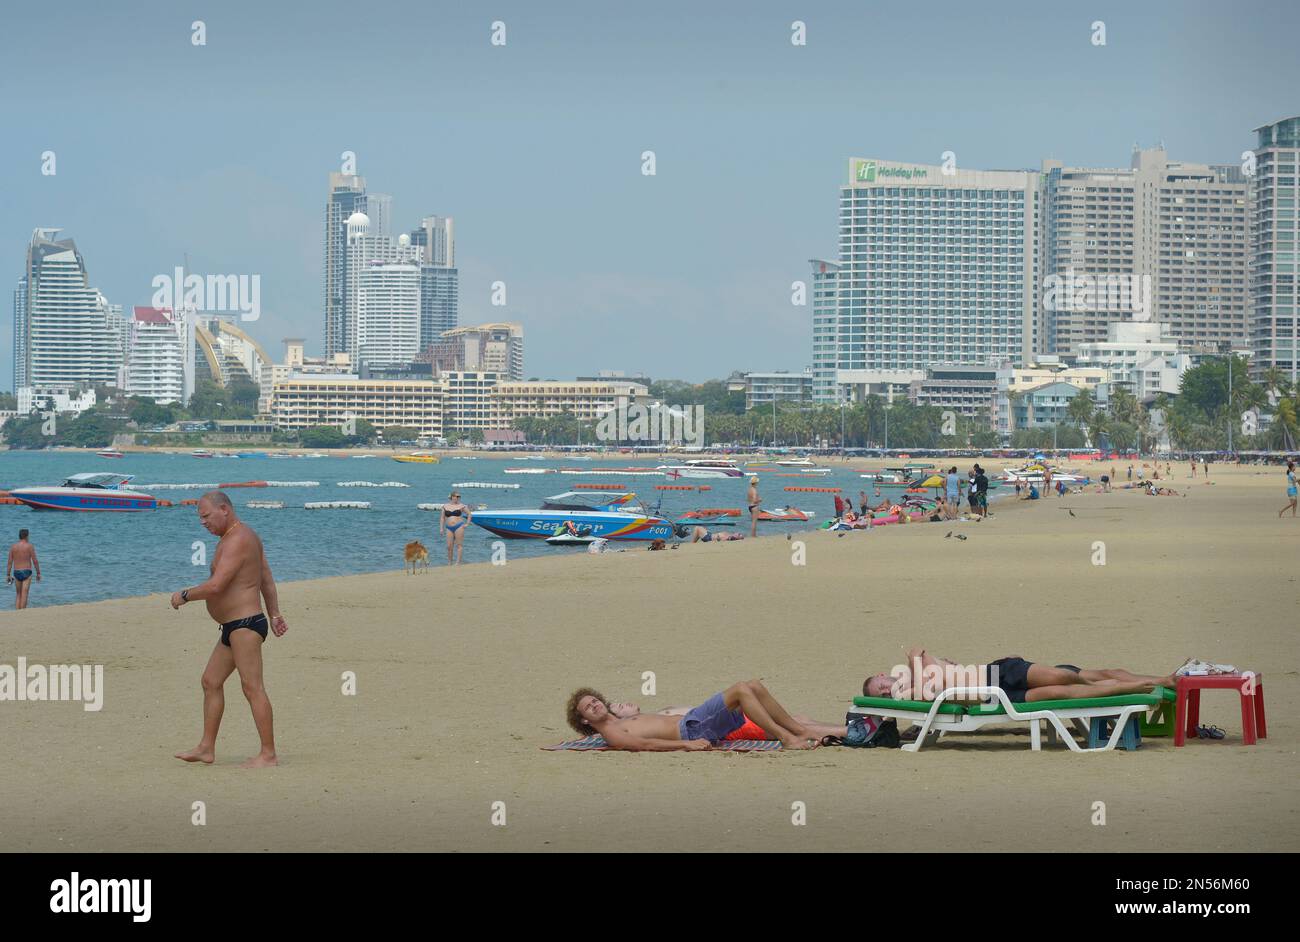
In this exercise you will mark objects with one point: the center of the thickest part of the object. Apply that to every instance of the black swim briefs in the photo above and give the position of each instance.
(256, 623)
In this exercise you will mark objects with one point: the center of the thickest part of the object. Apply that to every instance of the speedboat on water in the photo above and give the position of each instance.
(701, 468)
(418, 457)
(87, 492)
(609, 516)
(110, 453)
(1036, 473)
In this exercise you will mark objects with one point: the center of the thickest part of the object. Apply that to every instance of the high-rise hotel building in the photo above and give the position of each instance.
(1274, 304)
(65, 333)
(1160, 240)
(936, 265)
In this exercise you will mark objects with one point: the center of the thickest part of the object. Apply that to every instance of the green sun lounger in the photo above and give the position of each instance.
(942, 715)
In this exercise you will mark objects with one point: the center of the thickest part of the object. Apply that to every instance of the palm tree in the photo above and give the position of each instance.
(1081, 408)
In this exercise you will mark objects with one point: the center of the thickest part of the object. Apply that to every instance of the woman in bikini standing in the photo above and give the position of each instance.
(1290, 489)
(754, 503)
(452, 523)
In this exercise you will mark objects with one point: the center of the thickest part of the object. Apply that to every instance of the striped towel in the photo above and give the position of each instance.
(597, 742)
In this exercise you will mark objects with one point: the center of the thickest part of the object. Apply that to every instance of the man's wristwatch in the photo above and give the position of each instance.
(185, 595)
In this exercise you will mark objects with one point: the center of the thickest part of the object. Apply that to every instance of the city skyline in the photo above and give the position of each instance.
(544, 177)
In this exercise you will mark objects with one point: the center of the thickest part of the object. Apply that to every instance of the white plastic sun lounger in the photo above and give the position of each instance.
(944, 715)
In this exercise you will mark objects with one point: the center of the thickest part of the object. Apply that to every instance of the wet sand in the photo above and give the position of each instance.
(462, 677)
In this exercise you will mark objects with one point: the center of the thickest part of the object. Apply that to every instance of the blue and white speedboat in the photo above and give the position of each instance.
(606, 515)
(88, 492)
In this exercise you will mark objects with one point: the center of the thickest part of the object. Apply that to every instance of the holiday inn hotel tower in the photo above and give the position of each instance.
(936, 264)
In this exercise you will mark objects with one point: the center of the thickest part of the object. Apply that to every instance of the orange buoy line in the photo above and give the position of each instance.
(600, 487)
(815, 490)
(760, 469)
(164, 503)
(683, 487)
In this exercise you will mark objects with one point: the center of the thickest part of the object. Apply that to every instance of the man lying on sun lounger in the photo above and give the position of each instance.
(712, 721)
(1022, 680)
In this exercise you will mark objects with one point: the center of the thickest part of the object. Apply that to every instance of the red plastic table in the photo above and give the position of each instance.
(1187, 706)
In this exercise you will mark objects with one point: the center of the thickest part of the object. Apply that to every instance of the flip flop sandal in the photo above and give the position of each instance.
(1210, 732)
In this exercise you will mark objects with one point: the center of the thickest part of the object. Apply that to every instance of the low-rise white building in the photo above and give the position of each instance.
(55, 398)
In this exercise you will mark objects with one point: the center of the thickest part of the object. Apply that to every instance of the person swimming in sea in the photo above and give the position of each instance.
(452, 521)
(22, 563)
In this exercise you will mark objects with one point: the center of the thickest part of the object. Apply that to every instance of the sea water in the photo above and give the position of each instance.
(87, 556)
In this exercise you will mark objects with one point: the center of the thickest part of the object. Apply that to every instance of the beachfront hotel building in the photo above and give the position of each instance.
(1182, 230)
(1275, 252)
(304, 401)
(467, 399)
(585, 400)
(935, 265)
(65, 332)
(966, 389)
(762, 389)
(155, 356)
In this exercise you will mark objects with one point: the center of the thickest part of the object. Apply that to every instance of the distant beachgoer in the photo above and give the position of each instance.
(1130, 472)
(239, 584)
(754, 502)
(839, 507)
(1105, 482)
(22, 563)
(1290, 493)
(982, 485)
(588, 712)
(1205, 469)
(1033, 492)
(452, 523)
(862, 502)
(952, 493)
(1193, 467)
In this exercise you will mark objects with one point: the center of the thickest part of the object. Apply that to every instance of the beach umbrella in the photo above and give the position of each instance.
(934, 480)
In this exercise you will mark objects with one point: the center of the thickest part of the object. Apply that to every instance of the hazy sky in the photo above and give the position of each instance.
(223, 151)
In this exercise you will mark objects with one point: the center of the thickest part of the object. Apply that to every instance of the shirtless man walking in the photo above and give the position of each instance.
(240, 574)
(22, 562)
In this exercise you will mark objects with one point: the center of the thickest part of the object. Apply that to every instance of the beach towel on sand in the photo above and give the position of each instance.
(591, 743)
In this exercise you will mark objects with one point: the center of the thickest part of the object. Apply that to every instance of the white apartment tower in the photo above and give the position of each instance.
(1275, 252)
(155, 356)
(1161, 240)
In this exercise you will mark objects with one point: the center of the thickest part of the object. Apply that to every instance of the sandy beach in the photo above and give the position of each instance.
(461, 677)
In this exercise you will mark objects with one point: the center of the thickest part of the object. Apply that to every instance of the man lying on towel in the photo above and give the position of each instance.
(748, 730)
(715, 720)
(925, 676)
